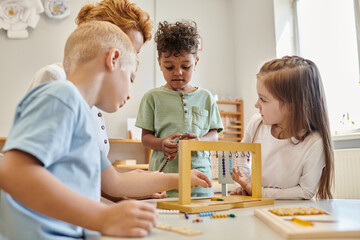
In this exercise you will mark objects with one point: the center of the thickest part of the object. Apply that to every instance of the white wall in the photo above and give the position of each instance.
(20, 59)
(254, 44)
(238, 36)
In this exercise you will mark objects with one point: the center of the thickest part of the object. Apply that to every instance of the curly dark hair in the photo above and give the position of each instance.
(177, 37)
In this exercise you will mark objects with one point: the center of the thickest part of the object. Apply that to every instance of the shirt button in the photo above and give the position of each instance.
(102, 127)
(105, 141)
(184, 104)
(99, 114)
(185, 111)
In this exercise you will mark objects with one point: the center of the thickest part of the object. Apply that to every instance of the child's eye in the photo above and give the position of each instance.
(186, 67)
(169, 68)
(262, 100)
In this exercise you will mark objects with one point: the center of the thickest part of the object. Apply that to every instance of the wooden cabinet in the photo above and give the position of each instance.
(126, 149)
(231, 113)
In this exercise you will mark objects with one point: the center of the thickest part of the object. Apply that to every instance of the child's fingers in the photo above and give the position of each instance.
(137, 232)
(203, 180)
(235, 191)
(188, 136)
(159, 195)
(176, 135)
(146, 207)
(169, 146)
(145, 224)
(203, 183)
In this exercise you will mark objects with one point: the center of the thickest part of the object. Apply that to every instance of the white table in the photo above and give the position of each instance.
(245, 225)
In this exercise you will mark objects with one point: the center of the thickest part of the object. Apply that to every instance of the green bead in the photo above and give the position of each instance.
(220, 199)
(232, 215)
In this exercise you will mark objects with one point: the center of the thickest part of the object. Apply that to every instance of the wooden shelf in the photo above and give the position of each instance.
(233, 117)
(230, 139)
(229, 102)
(232, 132)
(133, 141)
(231, 113)
(115, 140)
(234, 127)
(137, 166)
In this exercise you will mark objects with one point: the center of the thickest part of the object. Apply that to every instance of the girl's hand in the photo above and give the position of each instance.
(199, 179)
(128, 218)
(245, 183)
(189, 136)
(169, 146)
(239, 191)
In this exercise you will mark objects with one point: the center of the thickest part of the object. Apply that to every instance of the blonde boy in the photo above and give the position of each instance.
(53, 169)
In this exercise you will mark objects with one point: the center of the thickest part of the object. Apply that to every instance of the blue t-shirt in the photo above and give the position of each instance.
(53, 123)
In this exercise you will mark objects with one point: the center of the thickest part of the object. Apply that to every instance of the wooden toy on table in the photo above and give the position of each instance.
(185, 204)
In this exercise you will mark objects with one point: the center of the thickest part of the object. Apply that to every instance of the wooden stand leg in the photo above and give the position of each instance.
(224, 190)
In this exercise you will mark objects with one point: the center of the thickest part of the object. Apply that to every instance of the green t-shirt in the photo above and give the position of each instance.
(165, 112)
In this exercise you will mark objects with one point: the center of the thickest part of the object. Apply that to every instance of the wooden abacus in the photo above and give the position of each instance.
(185, 204)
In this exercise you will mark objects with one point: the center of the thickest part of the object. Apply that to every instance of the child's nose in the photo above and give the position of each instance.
(177, 72)
(257, 105)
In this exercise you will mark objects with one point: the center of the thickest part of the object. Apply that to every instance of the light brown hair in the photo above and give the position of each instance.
(123, 13)
(296, 83)
(91, 38)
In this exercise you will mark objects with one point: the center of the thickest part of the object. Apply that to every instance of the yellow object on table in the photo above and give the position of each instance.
(302, 222)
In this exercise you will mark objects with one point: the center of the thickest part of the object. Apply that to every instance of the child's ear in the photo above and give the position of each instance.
(112, 59)
(196, 62)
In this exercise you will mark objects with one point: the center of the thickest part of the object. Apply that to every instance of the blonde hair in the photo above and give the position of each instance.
(296, 83)
(122, 13)
(89, 39)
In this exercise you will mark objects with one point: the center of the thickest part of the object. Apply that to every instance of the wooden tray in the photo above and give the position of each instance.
(206, 205)
(325, 226)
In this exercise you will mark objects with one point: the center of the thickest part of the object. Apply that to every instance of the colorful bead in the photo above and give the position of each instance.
(223, 166)
(205, 214)
(186, 215)
(223, 215)
(197, 220)
(230, 164)
(167, 211)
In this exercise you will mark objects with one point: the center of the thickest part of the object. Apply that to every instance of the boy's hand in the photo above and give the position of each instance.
(199, 179)
(189, 136)
(245, 183)
(129, 218)
(157, 195)
(170, 147)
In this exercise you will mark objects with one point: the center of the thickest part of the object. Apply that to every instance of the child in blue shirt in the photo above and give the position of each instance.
(178, 110)
(53, 170)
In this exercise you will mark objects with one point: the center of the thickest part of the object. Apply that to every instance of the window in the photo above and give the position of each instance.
(325, 31)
